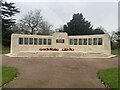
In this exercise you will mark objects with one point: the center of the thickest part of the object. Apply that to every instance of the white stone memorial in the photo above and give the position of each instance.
(60, 45)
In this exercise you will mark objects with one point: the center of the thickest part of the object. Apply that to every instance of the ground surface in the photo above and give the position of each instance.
(57, 72)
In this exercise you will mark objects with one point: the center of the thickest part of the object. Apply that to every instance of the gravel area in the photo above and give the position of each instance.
(45, 72)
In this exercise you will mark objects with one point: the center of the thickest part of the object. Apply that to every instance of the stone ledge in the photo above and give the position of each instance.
(72, 54)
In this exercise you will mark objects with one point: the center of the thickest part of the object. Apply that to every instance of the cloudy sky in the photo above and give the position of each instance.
(99, 13)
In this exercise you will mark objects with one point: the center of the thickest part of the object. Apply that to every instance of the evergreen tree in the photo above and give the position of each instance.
(98, 31)
(78, 26)
(8, 11)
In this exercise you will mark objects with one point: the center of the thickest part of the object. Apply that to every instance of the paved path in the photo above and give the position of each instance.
(57, 72)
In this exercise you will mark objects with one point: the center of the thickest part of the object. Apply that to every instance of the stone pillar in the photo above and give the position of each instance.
(107, 45)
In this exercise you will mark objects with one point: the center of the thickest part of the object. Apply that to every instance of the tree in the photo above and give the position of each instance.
(60, 29)
(8, 11)
(45, 28)
(99, 30)
(33, 21)
(118, 38)
(20, 28)
(78, 26)
(115, 39)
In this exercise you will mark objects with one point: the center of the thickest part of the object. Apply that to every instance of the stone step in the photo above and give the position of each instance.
(62, 54)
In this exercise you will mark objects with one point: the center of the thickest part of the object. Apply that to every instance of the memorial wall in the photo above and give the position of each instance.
(60, 42)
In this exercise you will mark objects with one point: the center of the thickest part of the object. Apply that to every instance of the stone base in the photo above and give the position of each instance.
(72, 54)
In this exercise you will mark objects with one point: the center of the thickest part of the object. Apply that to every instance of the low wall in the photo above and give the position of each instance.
(105, 48)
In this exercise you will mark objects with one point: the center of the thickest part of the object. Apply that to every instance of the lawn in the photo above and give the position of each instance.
(109, 77)
(4, 50)
(8, 73)
(116, 51)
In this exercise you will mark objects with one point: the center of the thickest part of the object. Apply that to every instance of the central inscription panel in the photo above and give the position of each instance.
(60, 40)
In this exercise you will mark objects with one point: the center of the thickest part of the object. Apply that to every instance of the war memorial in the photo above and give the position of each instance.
(60, 45)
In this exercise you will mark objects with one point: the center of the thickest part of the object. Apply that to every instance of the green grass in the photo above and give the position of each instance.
(110, 77)
(116, 51)
(4, 50)
(0, 76)
(8, 73)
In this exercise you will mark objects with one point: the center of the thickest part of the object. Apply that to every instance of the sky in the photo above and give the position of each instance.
(101, 13)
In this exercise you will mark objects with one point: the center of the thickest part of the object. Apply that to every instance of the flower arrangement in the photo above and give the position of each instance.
(56, 49)
(68, 49)
(49, 49)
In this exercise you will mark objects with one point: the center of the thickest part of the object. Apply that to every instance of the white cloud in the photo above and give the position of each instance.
(63, 0)
(98, 13)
